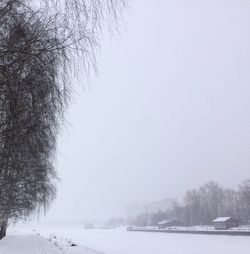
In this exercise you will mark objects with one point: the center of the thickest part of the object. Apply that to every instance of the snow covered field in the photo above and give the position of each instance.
(120, 241)
(58, 240)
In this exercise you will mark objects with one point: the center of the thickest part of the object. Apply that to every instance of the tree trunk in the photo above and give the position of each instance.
(3, 228)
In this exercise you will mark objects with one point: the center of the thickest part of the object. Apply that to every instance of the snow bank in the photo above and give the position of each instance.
(27, 244)
(37, 244)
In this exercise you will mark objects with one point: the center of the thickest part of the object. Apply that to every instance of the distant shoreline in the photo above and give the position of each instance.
(186, 231)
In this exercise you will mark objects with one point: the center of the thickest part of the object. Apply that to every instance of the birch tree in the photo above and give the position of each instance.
(39, 43)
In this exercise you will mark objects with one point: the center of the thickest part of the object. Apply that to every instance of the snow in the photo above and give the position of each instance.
(36, 244)
(27, 244)
(204, 228)
(58, 240)
(222, 219)
(164, 222)
(120, 241)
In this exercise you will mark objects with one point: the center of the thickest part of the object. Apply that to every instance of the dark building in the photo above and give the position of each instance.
(169, 223)
(225, 223)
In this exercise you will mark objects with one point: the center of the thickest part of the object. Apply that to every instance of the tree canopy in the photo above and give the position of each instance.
(38, 42)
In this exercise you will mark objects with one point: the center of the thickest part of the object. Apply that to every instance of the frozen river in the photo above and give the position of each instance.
(120, 241)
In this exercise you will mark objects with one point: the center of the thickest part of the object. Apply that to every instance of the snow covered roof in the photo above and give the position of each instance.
(164, 222)
(222, 219)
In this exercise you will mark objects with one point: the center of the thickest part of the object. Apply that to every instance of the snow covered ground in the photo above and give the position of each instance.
(33, 243)
(58, 240)
(26, 244)
(120, 241)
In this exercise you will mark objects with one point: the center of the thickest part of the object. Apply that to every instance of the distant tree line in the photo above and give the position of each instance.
(115, 222)
(201, 206)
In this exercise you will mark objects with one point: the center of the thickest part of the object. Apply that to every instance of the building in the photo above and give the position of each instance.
(169, 223)
(225, 223)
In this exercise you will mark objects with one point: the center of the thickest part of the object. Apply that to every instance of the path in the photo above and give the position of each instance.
(34, 244)
(27, 244)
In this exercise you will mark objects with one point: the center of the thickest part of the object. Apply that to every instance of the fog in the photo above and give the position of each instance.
(169, 110)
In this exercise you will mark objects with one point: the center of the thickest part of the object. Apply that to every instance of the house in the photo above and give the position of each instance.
(169, 223)
(225, 223)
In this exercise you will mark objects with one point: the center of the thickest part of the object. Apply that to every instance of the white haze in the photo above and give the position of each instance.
(169, 111)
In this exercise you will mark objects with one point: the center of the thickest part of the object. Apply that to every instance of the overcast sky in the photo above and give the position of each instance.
(169, 111)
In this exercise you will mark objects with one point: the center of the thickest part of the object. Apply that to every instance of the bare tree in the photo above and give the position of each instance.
(244, 196)
(212, 196)
(231, 204)
(194, 207)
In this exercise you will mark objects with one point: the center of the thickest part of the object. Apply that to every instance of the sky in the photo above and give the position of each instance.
(169, 110)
